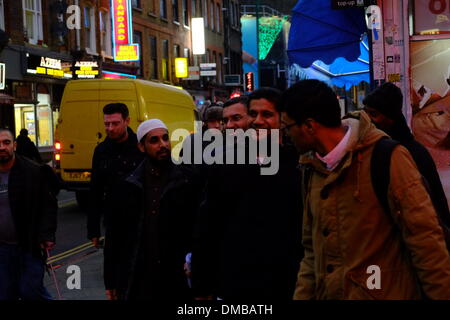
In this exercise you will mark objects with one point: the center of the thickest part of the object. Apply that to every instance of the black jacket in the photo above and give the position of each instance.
(33, 205)
(248, 239)
(426, 166)
(27, 148)
(111, 163)
(173, 234)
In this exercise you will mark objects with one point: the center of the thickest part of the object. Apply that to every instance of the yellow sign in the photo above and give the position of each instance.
(181, 68)
(128, 52)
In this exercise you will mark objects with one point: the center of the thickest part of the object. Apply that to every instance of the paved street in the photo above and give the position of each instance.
(74, 249)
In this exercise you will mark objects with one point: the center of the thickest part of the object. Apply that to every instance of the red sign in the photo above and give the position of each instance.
(129, 52)
(115, 75)
(249, 82)
(121, 21)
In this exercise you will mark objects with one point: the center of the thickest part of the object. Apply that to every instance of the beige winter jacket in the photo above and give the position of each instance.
(347, 235)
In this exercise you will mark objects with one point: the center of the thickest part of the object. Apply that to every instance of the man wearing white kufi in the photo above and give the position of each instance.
(151, 221)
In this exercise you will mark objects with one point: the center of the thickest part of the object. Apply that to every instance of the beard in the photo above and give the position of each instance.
(5, 157)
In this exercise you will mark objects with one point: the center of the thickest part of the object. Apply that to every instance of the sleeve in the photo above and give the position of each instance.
(94, 214)
(412, 209)
(306, 282)
(49, 203)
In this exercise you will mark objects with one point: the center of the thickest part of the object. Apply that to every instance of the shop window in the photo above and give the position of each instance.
(105, 31)
(153, 57)
(2, 16)
(431, 17)
(165, 60)
(163, 9)
(32, 20)
(89, 30)
(44, 117)
(24, 119)
(175, 14)
(185, 13)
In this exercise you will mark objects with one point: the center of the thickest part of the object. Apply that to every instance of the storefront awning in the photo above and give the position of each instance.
(320, 33)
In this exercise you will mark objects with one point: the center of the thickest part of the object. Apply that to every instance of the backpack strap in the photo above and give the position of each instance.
(380, 169)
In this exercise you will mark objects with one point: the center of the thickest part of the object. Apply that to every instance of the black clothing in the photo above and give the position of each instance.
(248, 239)
(152, 228)
(426, 166)
(111, 163)
(27, 148)
(33, 206)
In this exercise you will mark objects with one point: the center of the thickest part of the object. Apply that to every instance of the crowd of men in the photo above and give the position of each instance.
(350, 196)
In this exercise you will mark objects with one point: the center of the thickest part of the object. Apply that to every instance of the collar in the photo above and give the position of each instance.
(335, 156)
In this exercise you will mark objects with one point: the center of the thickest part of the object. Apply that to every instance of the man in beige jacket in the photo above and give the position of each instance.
(353, 248)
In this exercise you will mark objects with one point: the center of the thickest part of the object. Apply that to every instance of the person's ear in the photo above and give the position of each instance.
(127, 121)
(141, 147)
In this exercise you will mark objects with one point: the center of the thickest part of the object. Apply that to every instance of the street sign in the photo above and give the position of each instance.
(342, 4)
(209, 73)
(208, 69)
(194, 73)
(232, 80)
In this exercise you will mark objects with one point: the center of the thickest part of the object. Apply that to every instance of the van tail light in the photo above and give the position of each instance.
(57, 158)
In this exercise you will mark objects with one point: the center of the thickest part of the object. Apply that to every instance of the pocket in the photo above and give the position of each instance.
(394, 284)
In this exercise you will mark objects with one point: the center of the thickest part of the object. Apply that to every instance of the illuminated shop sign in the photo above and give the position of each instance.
(124, 48)
(86, 69)
(116, 75)
(181, 68)
(50, 67)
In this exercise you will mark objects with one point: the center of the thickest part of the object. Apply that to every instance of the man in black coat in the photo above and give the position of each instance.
(26, 147)
(247, 244)
(27, 224)
(152, 224)
(114, 158)
(384, 107)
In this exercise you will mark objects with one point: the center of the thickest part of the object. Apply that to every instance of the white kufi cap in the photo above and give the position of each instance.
(149, 125)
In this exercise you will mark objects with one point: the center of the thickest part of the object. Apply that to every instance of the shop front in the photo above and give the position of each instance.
(415, 46)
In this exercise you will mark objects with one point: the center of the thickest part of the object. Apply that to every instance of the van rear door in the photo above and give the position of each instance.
(78, 129)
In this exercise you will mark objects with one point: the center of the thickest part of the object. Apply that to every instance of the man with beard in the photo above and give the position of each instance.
(247, 244)
(27, 224)
(152, 224)
(113, 160)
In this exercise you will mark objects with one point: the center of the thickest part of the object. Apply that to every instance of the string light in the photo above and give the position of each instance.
(269, 29)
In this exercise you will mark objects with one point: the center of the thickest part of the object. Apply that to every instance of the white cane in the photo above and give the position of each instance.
(54, 276)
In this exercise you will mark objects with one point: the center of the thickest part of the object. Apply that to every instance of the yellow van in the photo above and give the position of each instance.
(80, 125)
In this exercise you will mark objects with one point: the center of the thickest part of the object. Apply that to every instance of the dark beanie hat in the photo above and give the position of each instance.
(387, 99)
(213, 113)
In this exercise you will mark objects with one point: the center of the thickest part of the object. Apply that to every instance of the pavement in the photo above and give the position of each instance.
(88, 262)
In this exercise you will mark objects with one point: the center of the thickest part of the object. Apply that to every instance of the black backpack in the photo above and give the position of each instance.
(380, 175)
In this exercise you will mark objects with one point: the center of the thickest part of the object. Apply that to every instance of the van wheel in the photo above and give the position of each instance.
(82, 199)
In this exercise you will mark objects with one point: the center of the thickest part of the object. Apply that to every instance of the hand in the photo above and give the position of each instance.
(111, 294)
(47, 245)
(96, 242)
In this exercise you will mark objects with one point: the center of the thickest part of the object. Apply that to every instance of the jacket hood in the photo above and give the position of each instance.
(364, 134)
